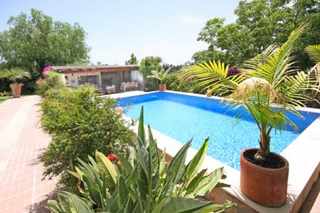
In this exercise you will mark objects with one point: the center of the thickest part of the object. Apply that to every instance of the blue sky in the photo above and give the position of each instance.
(116, 28)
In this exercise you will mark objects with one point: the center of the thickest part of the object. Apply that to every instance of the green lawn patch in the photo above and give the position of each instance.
(3, 98)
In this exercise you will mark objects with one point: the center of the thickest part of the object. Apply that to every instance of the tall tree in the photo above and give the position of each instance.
(132, 60)
(147, 65)
(209, 33)
(34, 40)
(259, 24)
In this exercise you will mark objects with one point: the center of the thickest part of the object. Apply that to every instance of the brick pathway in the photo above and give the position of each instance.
(21, 140)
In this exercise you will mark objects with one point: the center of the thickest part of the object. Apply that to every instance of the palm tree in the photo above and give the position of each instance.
(269, 78)
(314, 53)
(160, 75)
(15, 76)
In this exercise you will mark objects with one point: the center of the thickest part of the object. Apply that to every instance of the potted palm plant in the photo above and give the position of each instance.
(160, 75)
(15, 76)
(269, 78)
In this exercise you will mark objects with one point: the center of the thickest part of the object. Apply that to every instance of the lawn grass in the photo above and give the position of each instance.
(3, 98)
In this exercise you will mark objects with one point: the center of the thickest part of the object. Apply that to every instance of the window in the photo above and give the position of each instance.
(90, 79)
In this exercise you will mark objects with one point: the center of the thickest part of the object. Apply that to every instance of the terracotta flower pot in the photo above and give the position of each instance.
(266, 186)
(16, 89)
(162, 87)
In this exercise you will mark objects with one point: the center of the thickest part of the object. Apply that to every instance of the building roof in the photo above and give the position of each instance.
(86, 69)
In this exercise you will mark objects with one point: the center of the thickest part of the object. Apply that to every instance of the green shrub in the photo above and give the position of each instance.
(80, 122)
(4, 94)
(53, 81)
(173, 82)
(142, 182)
(3, 98)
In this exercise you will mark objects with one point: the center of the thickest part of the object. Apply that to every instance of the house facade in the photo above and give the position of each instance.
(108, 79)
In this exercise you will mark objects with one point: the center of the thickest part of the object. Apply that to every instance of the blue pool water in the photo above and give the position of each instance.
(183, 117)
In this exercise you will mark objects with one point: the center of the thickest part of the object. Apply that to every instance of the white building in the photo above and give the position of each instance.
(105, 78)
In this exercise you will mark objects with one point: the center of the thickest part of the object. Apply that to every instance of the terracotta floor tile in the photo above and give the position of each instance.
(21, 142)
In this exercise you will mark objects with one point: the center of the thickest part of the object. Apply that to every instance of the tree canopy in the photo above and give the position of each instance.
(259, 24)
(34, 40)
(149, 64)
(132, 60)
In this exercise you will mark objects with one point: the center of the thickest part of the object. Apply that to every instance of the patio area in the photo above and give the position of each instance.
(21, 141)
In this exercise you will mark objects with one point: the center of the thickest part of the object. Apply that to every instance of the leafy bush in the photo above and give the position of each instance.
(174, 82)
(53, 81)
(4, 94)
(142, 182)
(80, 123)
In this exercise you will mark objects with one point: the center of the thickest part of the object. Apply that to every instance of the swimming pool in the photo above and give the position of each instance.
(183, 116)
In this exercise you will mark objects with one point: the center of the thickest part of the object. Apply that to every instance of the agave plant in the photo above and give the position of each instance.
(142, 182)
(270, 77)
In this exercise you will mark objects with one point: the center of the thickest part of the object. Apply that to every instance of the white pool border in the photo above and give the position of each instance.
(303, 155)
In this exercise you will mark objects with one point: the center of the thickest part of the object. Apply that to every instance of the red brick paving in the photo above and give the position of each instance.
(21, 141)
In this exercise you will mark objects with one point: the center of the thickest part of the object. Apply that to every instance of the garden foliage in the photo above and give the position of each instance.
(80, 122)
(53, 81)
(271, 77)
(142, 182)
(259, 24)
